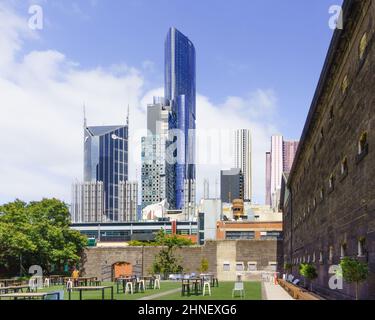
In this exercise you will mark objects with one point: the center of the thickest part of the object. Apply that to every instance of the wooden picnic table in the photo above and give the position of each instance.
(91, 288)
(14, 289)
(9, 282)
(30, 295)
(82, 280)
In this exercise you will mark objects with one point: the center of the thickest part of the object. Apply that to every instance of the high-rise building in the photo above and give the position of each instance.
(231, 185)
(276, 165)
(106, 160)
(278, 161)
(268, 178)
(154, 184)
(243, 161)
(87, 202)
(105, 191)
(289, 152)
(180, 96)
(128, 201)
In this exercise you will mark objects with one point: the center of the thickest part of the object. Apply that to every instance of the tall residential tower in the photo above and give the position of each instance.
(243, 161)
(180, 97)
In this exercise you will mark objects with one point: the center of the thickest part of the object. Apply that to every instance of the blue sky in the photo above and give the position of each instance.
(257, 59)
(241, 44)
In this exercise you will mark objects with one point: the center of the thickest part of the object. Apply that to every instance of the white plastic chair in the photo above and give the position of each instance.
(206, 284)
(69, 285)
(142, 284)
(129, 288)
(239, 287)
(32, 285)
(157, 282)
(46, 282)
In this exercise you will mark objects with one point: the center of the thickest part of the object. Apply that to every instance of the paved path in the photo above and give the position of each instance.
(159, 295)
(274, 292)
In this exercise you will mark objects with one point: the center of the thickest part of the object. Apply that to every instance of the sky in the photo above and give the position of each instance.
(258, 64)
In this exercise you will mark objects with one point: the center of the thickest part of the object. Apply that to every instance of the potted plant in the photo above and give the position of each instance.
(288, 268)
(308, 271)
(354, 271)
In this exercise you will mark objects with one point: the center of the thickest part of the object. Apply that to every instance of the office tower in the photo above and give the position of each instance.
(105, 192)
(289, 152)
(232, 185)
(128, 201)
(153, 154)
(276, 167)
(189, 206)
(243, 160)
(87, 202)
(180, 96)
(106, 160)
(279, 160)
(268, 178)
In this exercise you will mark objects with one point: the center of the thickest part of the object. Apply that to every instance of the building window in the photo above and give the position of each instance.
(344, 167)
(343, 250)
(240, 266)
(363, 45)
(314, 203)
(321, 194)
(252, 266)
(331, 183)
(362, 147)
(361, 247)
(314, 257)
(330, 254)
(345, 84)
(226, 266)
(321, 257)
(331, 114)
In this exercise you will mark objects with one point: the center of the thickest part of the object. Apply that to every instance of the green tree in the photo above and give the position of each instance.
(166, 261)
(204, 265)
(38, 233)
(354, 271)
(308, 271)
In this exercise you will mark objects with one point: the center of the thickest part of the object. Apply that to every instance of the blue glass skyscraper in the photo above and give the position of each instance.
(180, 95)
(106, 160)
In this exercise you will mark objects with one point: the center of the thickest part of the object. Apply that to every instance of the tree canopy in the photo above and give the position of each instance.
(37, 233)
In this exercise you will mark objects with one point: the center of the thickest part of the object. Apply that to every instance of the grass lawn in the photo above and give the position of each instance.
(97, 295)
(253, 291)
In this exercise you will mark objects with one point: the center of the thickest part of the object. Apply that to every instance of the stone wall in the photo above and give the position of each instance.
(98, 261)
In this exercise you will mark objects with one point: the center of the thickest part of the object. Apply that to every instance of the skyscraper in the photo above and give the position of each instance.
(231, 185)
(279, 160)
(243, 161)
(180, 96)
(268, 178)
(153, 154)
(276, 163)
(289, 152)
(105, 194)
(106, 160)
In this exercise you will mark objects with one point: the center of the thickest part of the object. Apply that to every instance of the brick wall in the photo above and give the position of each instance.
(98, 261)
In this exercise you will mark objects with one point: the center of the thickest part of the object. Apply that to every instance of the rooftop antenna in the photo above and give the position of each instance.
(128, 116)
(84, 115)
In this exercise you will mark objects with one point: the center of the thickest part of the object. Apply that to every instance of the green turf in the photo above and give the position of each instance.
(97, 295)
(253, 291)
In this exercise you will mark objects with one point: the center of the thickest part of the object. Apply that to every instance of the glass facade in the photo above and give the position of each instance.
(180, 95)
(106, 160)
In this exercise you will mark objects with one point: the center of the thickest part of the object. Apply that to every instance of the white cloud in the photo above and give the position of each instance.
(42, 94)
